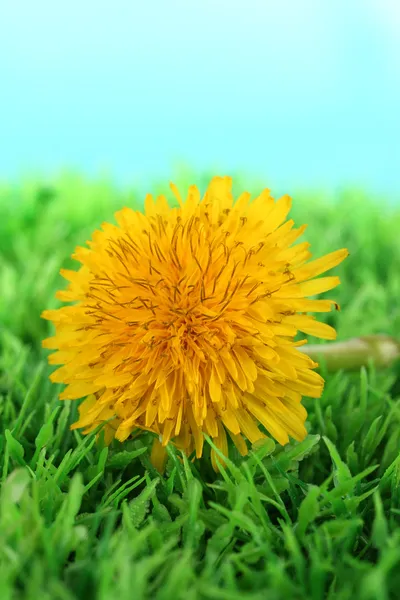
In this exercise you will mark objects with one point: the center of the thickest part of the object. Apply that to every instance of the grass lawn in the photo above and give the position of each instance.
(317, 519)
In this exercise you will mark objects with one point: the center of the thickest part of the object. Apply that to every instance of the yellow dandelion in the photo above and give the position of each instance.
(183, 322)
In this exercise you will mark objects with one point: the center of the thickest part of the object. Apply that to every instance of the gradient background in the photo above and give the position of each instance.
(301, 93)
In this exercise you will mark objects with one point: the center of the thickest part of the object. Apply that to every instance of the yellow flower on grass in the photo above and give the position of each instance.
(183, 322)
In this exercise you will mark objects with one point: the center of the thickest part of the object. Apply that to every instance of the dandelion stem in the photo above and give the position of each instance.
(354, 353)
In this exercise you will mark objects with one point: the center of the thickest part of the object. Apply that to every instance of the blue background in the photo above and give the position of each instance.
(299, 92)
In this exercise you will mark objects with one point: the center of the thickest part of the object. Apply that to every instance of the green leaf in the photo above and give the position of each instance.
(352, 458)
(298, 451)
(15, 449)
(309, 510)
(330, 427)
(194, 526)
(44, 436)
(374, 436)
(341, 470)
(122, 459)
(380, 530)
(139, 506)
(102, 460)
(14, 486)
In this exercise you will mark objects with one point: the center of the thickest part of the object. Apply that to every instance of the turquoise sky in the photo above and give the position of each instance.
(298, 92)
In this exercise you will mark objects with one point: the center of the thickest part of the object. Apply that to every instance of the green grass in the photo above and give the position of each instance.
(318, 519)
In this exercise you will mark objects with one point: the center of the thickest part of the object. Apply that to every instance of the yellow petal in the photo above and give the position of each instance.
(308, 288)
(214, 386)
(158, 456)
(239, 443)
(305, 305)
(270, 422)
(248, 426)
(308, 324)
(320, 265)
(78, 390)
(222, 444)
(279, 213)
(230, 421)
(246, 363)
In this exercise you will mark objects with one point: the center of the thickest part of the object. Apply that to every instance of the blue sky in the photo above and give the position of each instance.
(298, 92)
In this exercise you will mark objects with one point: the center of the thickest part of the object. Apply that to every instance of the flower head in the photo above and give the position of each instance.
(183, 321)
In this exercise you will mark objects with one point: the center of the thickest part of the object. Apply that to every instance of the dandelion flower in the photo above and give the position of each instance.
(183, 322)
